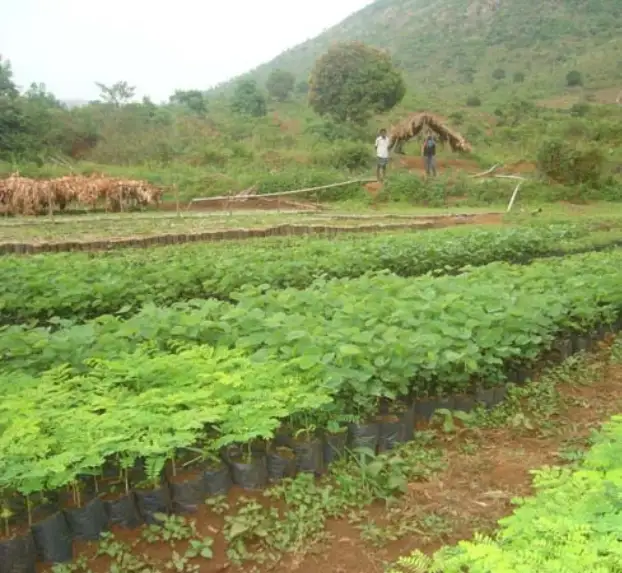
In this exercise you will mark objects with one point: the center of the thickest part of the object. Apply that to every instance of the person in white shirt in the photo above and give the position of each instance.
(382, 154)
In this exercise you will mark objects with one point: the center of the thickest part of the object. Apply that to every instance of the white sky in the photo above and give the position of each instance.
(156, 45)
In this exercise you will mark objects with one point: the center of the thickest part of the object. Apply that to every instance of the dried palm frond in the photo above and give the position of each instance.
(415, 124)
(24, 196)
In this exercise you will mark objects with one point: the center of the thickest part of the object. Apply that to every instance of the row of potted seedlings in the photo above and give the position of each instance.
(43, 527)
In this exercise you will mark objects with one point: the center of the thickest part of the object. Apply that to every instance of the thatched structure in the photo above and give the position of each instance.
(418, 122)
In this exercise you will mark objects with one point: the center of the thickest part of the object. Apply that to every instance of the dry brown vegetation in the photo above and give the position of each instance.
(24, 196)
(415, 124)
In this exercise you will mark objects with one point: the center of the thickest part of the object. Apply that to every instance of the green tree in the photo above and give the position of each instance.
(194, 100)
(519, 77)
(352, 81)
(13, 122)
(7, 87)
(280, 84)
(302, 87)
(13, 126)
(248, 100)
(117, 94)
(37, 93)
(574, 79)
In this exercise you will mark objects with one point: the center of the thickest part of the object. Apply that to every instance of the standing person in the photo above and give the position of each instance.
(382, 154)
(429, 155)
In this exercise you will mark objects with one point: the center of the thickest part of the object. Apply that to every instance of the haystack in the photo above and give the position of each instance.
(24, 196)
(416, 123)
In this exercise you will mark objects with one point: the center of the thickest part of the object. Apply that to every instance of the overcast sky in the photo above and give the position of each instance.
(156, 45)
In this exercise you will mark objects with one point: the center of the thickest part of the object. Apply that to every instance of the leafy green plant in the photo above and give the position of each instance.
(251, 525)
(181, 564)
(111, 547)
(167, 275)
(172, 528)
(218, 504)
(576, 514)
(448, 418)
(200, 548)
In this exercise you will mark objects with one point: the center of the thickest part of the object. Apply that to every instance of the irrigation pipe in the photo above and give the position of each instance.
(513, 198)
(518, 178)
(282, 193)
(493, 168)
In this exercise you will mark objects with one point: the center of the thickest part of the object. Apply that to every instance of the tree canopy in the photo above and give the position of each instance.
(352, 81)
(194, 100)
(248, 100)
(117, 94)
(7, 87)
(280, 84)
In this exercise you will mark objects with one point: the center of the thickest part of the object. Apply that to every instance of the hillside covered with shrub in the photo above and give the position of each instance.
(531, 85)
(524, 47)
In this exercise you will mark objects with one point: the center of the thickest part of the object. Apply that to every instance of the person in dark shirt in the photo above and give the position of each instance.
(429, 155)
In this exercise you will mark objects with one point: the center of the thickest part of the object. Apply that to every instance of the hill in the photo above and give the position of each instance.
(494, 70)
(524, 46)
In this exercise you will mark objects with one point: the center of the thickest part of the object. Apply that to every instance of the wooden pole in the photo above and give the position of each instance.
(511, 204)
(493, 168)
(294, 192)
(50, 205)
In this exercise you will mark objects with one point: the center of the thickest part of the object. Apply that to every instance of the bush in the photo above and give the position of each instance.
(351, 155)
(457, 117)
(474, 101)
(565, 163)
(498, 74)
(580, 109)
(574, 79)
(408, 187)
(333, 131)
(518, 78)
(488, 192)
(301, 178)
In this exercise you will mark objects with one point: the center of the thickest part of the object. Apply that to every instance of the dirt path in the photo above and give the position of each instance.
(215, 234)
(415, 163)
(252, 203)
